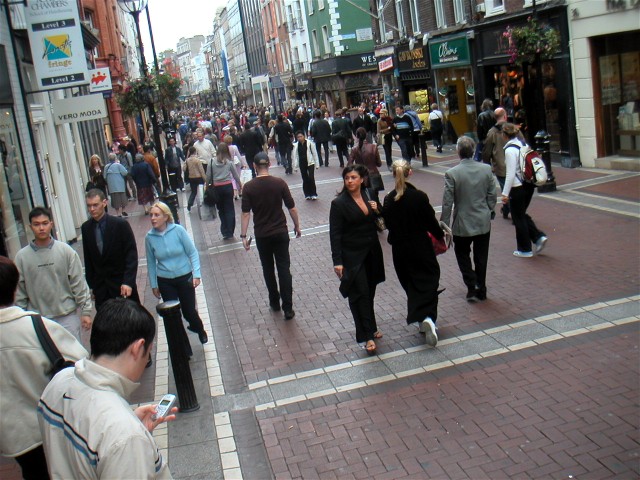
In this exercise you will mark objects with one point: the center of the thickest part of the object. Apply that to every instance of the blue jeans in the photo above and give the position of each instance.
(276, 247)
(226, 209)
(405, 147)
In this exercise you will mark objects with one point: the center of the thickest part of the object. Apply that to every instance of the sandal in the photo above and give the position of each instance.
(378, 334)
(370, 347)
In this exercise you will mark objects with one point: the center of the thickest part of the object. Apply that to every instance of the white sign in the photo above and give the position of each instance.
(100, 80)
(78, 109)
(55, 36)
(364, 34)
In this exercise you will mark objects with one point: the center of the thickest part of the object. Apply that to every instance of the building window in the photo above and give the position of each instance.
(400, 16)
(320, 4)
(493, 7)
(325, 39)
(382, 26)
(458, 11)
(310, 7)
(441, 20)
(314, 43)
(415, 19)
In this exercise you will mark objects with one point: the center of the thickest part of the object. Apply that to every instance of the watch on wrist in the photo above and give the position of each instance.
(243, 236)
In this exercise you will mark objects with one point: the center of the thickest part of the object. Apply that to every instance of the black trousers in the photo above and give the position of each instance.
(326, 152)
(181, 289)
(388, 144)
(343, 152)
(473, 277)
(175, 178)
(194, 191)
(526, 230)
(285, 156)
(33, 464)
(276, 248)
(307, 172)
(226, 209)
(361, 297)
(415, 140)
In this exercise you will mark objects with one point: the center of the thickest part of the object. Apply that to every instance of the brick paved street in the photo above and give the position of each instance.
(541, 382)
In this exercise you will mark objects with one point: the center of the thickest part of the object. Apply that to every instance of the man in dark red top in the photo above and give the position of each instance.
(264, 196)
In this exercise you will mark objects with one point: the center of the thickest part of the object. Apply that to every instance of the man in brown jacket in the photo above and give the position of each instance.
(493, 152)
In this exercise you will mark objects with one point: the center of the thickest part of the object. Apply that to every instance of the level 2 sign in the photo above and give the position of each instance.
(99, 80)
(78, 109)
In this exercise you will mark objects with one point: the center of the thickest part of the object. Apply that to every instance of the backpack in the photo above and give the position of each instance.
(531, 165)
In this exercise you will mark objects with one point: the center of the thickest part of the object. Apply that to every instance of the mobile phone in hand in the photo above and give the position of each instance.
(164, 406)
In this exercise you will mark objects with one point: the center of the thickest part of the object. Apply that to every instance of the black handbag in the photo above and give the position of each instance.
(210, 198)
(375, 182)
(58, 362)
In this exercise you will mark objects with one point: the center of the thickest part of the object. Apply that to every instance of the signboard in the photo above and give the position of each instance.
(415, 59)
(386, 64)
(100, 80)
(78, 109)
(451, 52)
(55, 36)
(364, 34)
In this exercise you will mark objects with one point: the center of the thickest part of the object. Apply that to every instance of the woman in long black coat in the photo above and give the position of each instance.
(356, 252)
(409, 216)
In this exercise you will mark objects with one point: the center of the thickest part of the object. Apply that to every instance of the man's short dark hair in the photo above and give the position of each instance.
(118, 324)
(95, 192)
(122, 147)
(146, 148)
(38, 211)
(9, 277)
(300, 132)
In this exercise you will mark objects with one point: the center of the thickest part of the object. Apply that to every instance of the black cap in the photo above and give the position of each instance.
(261, 159)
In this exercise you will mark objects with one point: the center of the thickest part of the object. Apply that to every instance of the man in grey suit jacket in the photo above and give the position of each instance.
(470, 190)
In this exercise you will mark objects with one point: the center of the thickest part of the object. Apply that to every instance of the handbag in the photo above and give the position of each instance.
(210, 197)
(379, 219)
(439, 246)
(245, 175)
(58, 362)
(375, 181)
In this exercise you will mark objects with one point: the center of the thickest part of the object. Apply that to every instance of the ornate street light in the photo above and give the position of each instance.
(134, 8)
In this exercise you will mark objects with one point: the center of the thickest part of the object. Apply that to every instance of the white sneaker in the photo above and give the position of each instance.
(518, 253)
(429, 329)
(541, 243)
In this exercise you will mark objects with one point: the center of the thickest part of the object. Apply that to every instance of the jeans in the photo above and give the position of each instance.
(285, 157)
(226, 209)
(277, 247)
(473, 278)
(326, 152)
(181, 289)
(526, 230)
(406, 148)
(308, 179)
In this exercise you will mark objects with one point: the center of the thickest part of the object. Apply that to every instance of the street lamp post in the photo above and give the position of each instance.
(134, 8)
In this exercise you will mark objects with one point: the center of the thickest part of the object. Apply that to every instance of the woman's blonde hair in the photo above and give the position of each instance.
(95, 157)
(401, 169)
(228, 139)
(510, 130)
(164, 208)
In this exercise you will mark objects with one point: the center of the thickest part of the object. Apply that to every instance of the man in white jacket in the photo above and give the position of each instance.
(88, 428)
(24, 373)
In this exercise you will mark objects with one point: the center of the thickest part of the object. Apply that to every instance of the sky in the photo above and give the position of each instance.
(171, 20)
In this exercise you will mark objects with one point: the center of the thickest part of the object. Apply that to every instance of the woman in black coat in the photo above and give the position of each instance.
(356, 252)
(410, 217)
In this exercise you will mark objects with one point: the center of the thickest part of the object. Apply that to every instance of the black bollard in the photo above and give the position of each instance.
(543, 147)
(423, 149)
(171, 199)
(172, 317)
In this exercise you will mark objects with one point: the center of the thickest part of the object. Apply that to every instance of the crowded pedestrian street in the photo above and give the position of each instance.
(540, 380)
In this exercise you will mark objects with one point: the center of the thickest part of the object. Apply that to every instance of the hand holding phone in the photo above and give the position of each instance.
(164, 406)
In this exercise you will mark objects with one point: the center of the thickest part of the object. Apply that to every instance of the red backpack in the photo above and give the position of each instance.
(531, 165)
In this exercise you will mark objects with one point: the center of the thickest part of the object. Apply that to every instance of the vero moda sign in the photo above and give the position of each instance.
(55, 37)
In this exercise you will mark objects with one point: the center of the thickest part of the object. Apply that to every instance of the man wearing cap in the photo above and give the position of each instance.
(264, 196)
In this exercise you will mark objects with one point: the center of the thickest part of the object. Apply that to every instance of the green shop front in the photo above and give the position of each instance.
(451, 65)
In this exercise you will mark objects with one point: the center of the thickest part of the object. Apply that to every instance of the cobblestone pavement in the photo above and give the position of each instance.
(541, 380)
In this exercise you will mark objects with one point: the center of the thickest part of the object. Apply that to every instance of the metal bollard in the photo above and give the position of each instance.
(172, 317)
(543, 144)
(423, 149)
(171, 199)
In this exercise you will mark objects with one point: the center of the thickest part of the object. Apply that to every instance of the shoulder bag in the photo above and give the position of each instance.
(53, 354)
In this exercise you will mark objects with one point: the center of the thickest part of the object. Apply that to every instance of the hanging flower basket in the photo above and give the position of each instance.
(531, 39)
(161, 89)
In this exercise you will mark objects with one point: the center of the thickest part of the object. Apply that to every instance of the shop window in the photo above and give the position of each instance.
(14, 195)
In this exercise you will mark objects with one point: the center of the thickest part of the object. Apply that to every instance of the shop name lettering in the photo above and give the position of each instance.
(415, 56)
(447, 54)
(75, 115)
(368, 60)
(46, 5)
(622, 4)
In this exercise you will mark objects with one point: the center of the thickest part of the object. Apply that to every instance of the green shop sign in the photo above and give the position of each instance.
(451, 52)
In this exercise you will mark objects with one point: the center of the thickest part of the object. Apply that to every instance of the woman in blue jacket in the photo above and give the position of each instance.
(174, 266)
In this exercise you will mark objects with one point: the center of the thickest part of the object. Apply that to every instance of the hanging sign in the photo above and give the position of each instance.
(78, 109)
(100, 80)
(55, 37)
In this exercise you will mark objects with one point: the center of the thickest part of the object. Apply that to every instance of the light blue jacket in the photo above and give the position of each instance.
(114, 174)
(170, 254)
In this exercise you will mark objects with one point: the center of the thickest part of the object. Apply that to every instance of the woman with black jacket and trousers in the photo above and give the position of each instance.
(356, 252)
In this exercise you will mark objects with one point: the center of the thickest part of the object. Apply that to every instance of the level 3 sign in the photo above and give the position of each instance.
(78, 109)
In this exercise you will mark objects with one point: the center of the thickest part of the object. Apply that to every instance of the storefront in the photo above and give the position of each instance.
(605, 56)
(517, 88)
(451, 64)
(415, 77)
(387, 66)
